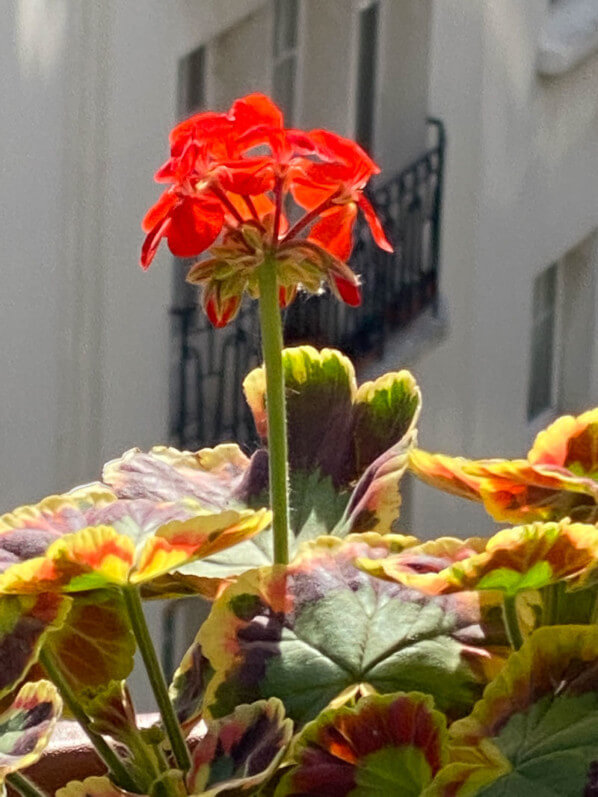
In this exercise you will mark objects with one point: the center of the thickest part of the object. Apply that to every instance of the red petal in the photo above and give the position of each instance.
(152, 241)
(334, 230)
(201, 127)
(230, 308)
(176, 170)
(374, 224)
(332, 147)
(220, 313)
(344, 167)
(210, 307)
(159, 211)
(307, 194)
(263, 205)
(255, 110)
(166, 172)
(254, 176)
(349, 292)
(300, 141)
(196, 223)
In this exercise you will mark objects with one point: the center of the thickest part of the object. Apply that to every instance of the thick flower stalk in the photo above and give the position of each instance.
(274, 208)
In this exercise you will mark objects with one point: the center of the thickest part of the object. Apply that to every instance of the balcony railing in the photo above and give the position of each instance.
(209, 365)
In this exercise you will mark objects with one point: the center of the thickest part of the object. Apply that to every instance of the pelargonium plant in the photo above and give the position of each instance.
(340, 656)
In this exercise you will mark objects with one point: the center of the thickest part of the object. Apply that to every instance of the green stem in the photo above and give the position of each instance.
(548, 604)
(144, 757)
(23, 785)
(160, 757)
(509, 608)
(116, 767)
(594, 617)
(554, 595)
(156, 677)
(271, 328)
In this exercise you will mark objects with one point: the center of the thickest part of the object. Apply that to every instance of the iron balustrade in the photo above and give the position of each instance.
(209, 365)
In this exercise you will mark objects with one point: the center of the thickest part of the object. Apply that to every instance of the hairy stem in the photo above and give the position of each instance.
(509, 608)
(115, 765)
(271, 328)
(144, 757)
(156, 677)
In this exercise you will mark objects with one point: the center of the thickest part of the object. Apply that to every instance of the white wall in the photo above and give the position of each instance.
(327, 66)
(400, 132)
(34, 60)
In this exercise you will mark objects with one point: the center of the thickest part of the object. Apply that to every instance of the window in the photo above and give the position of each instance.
(191, 97)
(192, 82)
(542, 364)
(286, 23)
(366, 75)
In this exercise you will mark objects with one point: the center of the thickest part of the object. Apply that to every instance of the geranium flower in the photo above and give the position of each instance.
(226, 198)
(337, 182)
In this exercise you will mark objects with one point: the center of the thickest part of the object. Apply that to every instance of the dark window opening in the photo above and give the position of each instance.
(366, 76)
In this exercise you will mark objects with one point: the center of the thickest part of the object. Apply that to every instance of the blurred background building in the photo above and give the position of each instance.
(484, 118)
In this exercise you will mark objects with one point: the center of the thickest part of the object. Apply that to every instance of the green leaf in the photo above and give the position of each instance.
(27, 531)
(95, 645)
(241, 751)
(310, 631)
(315, 509)
(513, 560)
(25, 623)
(558, 479)
(348, 446)
(536, 729)
(188, 686)
(219, 478)
(385, 412)
(146, 541)
(390, 744)
(27, 725)
(334, 428)
(316, 506)
(112, 711)
(375, 501)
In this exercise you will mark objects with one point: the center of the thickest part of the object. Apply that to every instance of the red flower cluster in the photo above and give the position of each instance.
(230, 177)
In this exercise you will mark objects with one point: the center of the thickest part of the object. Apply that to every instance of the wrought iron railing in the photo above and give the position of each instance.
(209, 365)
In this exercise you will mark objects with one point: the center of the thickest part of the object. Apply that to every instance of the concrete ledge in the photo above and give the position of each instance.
(569, 36)
(404, 348)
